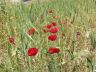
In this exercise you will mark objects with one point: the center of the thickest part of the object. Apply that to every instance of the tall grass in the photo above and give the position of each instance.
(77, 53)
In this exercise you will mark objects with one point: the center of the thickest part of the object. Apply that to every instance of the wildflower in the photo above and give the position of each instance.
(54, 23)
(52, 37)
(48, 26)
(53, 50)
(32, 51)
(31, 31)
(54, 30)
(11, 40)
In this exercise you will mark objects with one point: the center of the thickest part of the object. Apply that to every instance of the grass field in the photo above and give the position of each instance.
(76, 36)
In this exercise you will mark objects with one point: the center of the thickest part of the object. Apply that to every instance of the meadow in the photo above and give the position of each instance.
(48, 36)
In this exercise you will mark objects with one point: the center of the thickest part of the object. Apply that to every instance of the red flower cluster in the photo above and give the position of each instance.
(53, 50)
(32, 51)
(50, 26)
(31, 31)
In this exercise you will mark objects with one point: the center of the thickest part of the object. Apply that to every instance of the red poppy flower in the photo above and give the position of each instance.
(54, 23)
(11, 40)
(48, 26)
(53, 50)
(31, 31)
(32, 51)
(52, 37)
(54, 30)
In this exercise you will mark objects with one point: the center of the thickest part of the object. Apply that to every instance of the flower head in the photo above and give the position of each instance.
(48, 26)
(32, 51)
(52, 37)
(11, 40)
(31, 31)
(54, 30)
(53, 50)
